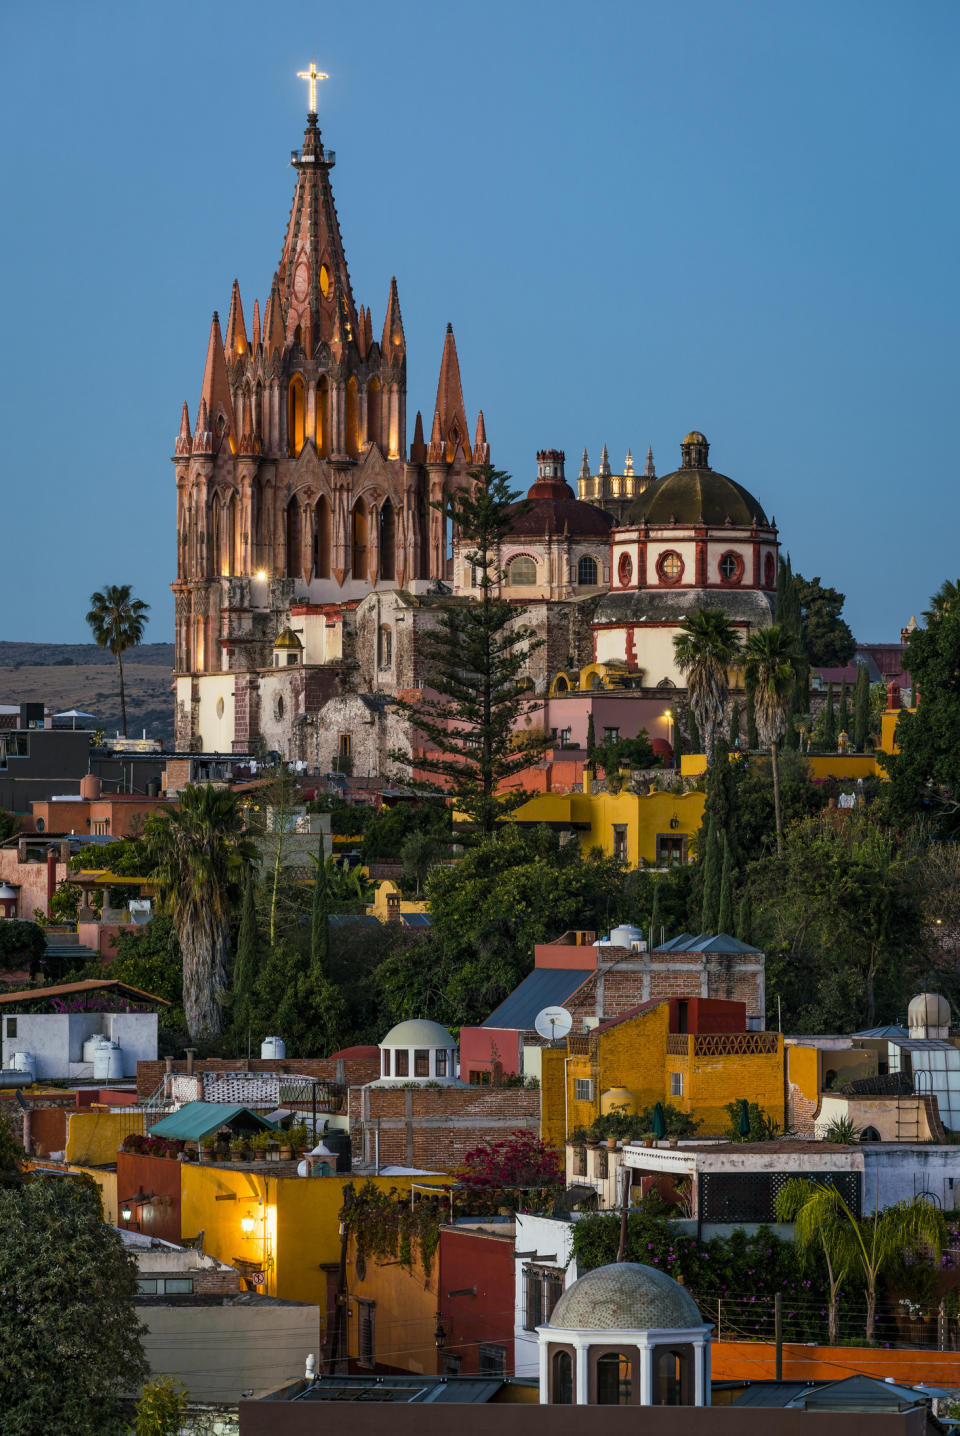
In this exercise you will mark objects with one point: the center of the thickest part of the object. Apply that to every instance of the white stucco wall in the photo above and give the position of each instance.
(552, 1243)
(56, 1039)
(216, 712)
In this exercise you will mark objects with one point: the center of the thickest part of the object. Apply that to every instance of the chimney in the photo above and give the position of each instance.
(189, 1051)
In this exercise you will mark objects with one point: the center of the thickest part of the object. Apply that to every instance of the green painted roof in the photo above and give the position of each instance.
(196, 1120)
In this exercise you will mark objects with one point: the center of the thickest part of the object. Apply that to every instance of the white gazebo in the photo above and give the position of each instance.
(418, 1051)
(625, 1335)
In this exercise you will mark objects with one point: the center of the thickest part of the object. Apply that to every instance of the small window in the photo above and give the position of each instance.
(579, 1161)
(731, 568)
(147, 1286)
(385, 646)
(583, 1089)
(542, 1287)
(670, 567)
(671, 850)
(440, 1061)
(174, 1284)
(343, 747)
(676, 1084)
(401, 1062)
(386, 1062)
(620, 841)
(366, 1333)
(625, 569)
(521, 570)
(587, 571)
(601, 1164)
(421, 1062)
(479, 1078)
(491, 1359)
(610, 735)
(11, 1027)
(562, 1390)
(451, 1363)
(564, 736)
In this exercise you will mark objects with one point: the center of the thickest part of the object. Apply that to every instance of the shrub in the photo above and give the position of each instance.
(21, 942)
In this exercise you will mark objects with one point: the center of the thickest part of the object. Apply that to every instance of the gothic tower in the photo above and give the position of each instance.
(295, 486)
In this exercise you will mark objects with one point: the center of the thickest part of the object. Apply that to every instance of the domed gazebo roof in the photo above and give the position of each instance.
(695, 494)
(287, 639)
(626, 1296)
(418, 1032)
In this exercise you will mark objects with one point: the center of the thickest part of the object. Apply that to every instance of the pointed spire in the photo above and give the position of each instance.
(314, 279)
(202, 437)
(362, 332)
(437, 451)
(236, 328)
(649, 470)
(215, 391)
(450, 409)
(255, 341)
(584, 465)
(273, 320)
(248, 441)
(368, 332)
(418, 449)
(393, 341)
(184, 443)
(604, 469)
(481, 449)
(628, 465)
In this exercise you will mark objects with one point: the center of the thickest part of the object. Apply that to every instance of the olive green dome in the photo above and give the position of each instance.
(695, 496)
(626, 1296)
(287, 639)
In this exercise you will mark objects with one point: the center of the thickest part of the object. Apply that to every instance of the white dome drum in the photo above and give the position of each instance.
(418, 1051)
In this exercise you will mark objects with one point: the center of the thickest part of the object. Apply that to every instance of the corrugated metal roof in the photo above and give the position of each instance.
(79, 989)
(707, 942)
(415, 919)
(544, 987)
(773, 1393)
(196, 1120)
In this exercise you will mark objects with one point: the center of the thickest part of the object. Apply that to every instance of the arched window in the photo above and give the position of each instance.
(870, 1134)
(359, 540)
(294, 535)
(668, 1378)
(234, 563)
(769, 571)
(562, 1389)
(625, 569)
(423, 530)
(388, 540)
(352, 419)
(321, 539)
(587, 571)
(521, 571)
(670, 567)
(373, 412)
(614, 1384)
(384, 646)
(323, 417)
(217, 537)
(296, 415)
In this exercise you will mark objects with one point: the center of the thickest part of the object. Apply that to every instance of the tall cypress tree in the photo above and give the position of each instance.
(843, 712)
(735, 726)
(861, 709)
(745, 919)
(725, 915)
(591, 740)
(830, 721)
(245, 965)
(319, 916)
(753, 741)
(476, 659)
(790, 618)
(712, 862)
(655, 919)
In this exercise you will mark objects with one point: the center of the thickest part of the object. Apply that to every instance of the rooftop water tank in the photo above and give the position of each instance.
(107, 1061)
(628, 936)
(928, 1015)
(90, 1047)
(273, 1047)
(24, 1062)
(619, 1097)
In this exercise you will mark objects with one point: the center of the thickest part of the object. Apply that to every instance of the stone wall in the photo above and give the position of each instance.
(347, 1070)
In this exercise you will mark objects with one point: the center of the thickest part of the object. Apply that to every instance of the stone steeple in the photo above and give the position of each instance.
(449, 409)
(314, 281)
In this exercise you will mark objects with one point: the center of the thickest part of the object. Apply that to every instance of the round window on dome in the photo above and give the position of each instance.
(670, 567)
(731, 568)
(625, 569)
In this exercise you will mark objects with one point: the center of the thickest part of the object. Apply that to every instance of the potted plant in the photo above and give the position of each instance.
(259, 1143)
(299, 1137)
(208, 1148)
(285, 1152)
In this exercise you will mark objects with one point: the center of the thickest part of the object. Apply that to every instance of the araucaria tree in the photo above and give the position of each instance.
(71, 1338)
(705, 648)
(476, 659)
(772, 656)
(117, 621)
(199, 856)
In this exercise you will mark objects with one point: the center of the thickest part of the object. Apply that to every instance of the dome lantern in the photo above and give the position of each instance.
(625, 1335)
(928, 1015)
(418, 1051)
(695, 451)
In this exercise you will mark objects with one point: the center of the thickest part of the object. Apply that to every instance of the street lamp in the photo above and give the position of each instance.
(669, 717)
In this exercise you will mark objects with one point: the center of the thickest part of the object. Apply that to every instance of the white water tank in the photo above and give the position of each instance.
(273, 1047)
(90, 1048)
(632, 938)
(24, 1062)
(107, 1061)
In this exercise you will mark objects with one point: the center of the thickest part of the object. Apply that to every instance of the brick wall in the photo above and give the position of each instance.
(626, 982)
(435, 1128)
(349, 1070)
(48, 1119)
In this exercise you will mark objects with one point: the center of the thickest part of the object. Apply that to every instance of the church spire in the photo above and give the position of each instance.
(604, 469)
(236, 328)
(436, 453)
(184, 443)
(255, 337)
(649, 471)
(481, 449)
(449, 408)
(393, 341)
(628, 465)
(215, 391)
(584, 465)
(273, 320)
(418, 449)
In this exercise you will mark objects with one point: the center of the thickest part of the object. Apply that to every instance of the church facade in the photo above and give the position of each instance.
(298, 493)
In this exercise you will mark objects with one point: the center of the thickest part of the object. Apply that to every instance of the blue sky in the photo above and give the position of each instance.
(641, 218)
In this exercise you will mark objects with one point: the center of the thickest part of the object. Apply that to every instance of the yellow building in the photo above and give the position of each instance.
(653, 828)
(642, 1057)
(389, 904)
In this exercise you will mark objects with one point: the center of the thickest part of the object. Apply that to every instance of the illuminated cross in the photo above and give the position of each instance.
(312, 76)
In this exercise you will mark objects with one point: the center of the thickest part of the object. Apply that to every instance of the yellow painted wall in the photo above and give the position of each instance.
(106, 1180)
(849, 766)
(296, 1223)
(552, 1122)
(803, 1070)
(406, 1316)
(378, 908)
(93, 1137)
(711, 1082)
(643, 815)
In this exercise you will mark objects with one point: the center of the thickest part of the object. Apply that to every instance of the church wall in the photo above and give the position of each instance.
(642, 646)
(373, 730)
(216, 713)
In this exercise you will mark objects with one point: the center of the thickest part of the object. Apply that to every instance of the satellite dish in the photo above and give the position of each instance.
(553, 1022)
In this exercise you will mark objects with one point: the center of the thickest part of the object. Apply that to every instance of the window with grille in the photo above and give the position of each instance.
(579, 1162)
(522, 570)
(491, 1359)
(542, 1287)
(620, 841)
(366, 1332)
(401, 1062)
(479, 1078)
(751, 1196)
(676, 1084)
(601, 1163)
(587, 570)
(421, 1062)
(583, 1089)
(451, 1363)
(440, 1058)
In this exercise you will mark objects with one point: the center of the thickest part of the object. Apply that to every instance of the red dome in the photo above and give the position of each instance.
(554, 508)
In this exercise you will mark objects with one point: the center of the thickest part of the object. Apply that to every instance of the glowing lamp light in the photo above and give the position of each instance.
(261, 574)
(126, 1211)
(246, 1225)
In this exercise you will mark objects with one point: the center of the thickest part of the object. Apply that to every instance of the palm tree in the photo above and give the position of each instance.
(789, 1201)
(822, 1217)
(772, 654)
(705, 647)
(118, 620)
(200, 858)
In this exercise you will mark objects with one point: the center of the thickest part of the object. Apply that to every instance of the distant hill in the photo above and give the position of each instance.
(83, 676)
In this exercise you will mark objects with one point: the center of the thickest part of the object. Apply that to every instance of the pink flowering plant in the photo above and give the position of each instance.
(517, 1171)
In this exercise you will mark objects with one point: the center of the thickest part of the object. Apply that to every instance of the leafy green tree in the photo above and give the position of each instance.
(861, 709)
(127, 857)
(199, 855)
(761, 1127)
(320, 915)
(245, 966)
(867, 1247)
(22, 943)
(827, 638)
(117, 621)
(476, 660)
(712, 864)
(161, 1408)
(745, 919)
(71, 1346)
(296, 1000)
(705, 647)
(11, 1155)
(419, 853)
(753, 740)
(725, 918)
(828, 726)
(616, 753)
(771, 663)
(925, 772)
(149, 958)
(754, 813)
(789, 1201)
(386, 831)
(9, 825)
(790, 619)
